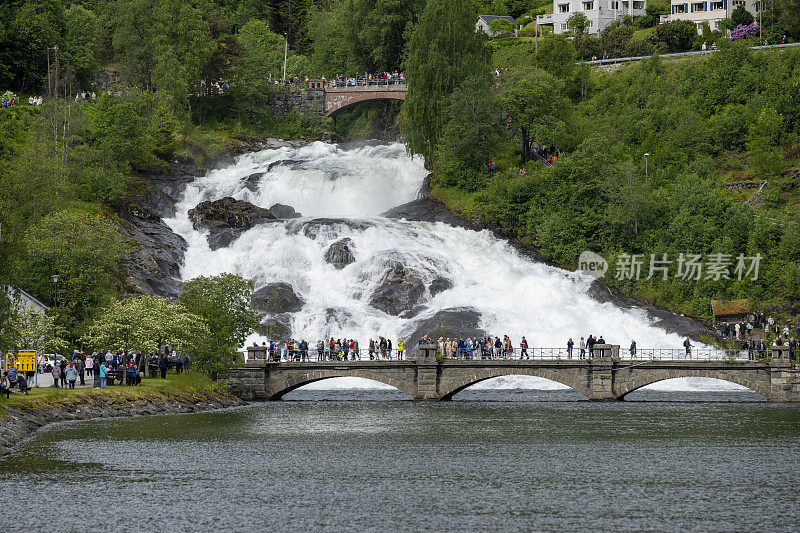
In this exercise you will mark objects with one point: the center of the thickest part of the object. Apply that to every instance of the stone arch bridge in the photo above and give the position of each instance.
(429, 379)
(332, 100)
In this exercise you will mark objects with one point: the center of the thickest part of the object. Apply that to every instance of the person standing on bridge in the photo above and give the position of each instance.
(688, 345)
(590, 345)
(751, 346)
(524, 348)
(401, 347)
(633, 349)
(762, 348)
(582, 346)
(570, 344)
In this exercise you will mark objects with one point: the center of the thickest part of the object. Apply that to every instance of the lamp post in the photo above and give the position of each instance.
(54, 279)
(285, 55)
(646, 155)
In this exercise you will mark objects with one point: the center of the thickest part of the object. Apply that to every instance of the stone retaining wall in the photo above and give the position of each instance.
(21, 420)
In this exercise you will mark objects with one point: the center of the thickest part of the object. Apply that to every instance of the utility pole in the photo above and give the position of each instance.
(285, 55)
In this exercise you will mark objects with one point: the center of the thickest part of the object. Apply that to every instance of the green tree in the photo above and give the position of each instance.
(578, 24)
(741, 16)
(468, 136)
(182, 47)
(556, 55)
(224, 303)
(163, 131)
(81, 43)
(133, 41)
(676, 36)
(36, 26)
(501, 27)
(762, 140)
(83, 250)
(443, 51)
(145, 323)
(34, 330)
(536, 105)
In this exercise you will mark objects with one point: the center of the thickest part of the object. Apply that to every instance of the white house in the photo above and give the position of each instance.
(485, 20)
(24, 301)
(600, 13)
(710, 11)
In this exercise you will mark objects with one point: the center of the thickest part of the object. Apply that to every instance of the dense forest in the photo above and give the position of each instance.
(165, 80)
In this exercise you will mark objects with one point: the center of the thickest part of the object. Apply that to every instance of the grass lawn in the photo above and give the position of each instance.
(643, 34)
(192, 382)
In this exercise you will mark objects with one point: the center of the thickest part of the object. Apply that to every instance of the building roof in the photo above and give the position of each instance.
(722, 308)
(489, 18)
(25, 298)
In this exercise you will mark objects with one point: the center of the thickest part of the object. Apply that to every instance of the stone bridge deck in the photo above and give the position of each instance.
(329, 101)
(428, 379)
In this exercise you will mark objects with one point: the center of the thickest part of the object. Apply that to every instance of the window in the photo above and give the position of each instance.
(638, 5)
(717, 5)
(679, 8)
(588, 6)
(563, 27)
(614, 4)
(699, 6)
(737, 3)
(563, 8)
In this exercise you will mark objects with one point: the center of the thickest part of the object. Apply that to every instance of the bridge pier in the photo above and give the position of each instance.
(602, 379)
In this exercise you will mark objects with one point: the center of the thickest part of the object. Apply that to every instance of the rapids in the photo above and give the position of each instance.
(350, 187)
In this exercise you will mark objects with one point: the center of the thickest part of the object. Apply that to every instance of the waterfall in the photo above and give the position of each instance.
(341, 192)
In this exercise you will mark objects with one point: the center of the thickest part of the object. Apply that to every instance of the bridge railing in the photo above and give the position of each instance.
(534, 353)
(355, 82)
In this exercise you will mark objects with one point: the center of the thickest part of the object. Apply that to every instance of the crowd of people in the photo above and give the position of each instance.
(333, 350)
(356, 80)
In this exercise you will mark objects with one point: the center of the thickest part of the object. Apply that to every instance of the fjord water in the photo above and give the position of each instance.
(350, 186)
(383, 464)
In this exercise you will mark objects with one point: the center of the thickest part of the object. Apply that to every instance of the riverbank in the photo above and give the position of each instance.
(21, 416)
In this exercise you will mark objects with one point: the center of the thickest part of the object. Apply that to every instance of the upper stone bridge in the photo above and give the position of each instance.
(329, 101)
(597, 379)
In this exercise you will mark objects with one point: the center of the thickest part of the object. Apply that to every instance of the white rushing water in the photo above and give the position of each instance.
(514, 295)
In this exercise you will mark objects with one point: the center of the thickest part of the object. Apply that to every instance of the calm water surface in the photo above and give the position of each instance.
(323, 462)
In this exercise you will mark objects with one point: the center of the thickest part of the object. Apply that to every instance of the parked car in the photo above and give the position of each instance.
(50, 360)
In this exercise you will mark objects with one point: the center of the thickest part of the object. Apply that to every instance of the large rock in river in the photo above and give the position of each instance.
(453, 323)
(276, 298)
(340, 254)
(399, 290)
(227, 218)
(228, 213)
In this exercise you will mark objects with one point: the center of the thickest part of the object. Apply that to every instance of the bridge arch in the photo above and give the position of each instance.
(754, 382)
(339, 102)
(296, 381)
(570, 380)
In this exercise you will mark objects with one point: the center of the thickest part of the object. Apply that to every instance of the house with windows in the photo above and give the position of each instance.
(485, 20)
(600, 13)
(709, 11)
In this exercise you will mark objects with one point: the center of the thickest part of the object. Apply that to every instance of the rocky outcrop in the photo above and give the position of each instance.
(454, 323)
(153, 263)
(227, 218)
(399, 290)
(284, 212)
(439, 285)
(276, 327)
(20, 420)
(228, 212)
(251, 182)
(276, 298)
(331, 227)
(340, 254)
